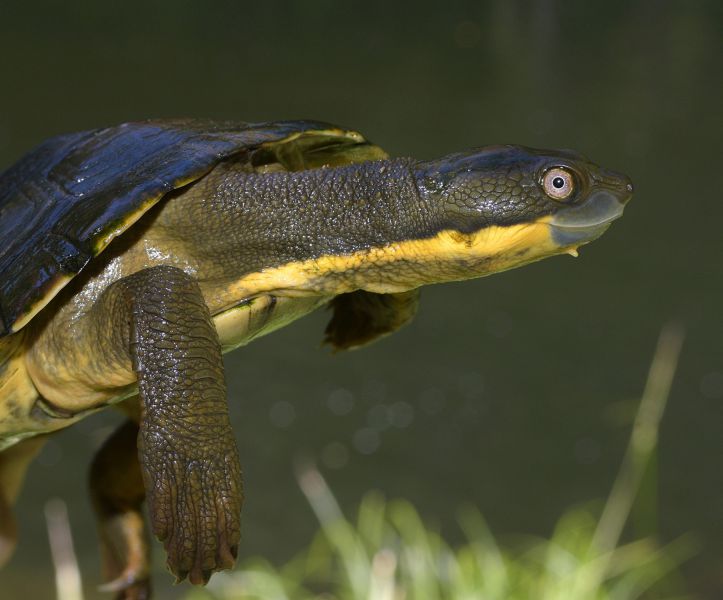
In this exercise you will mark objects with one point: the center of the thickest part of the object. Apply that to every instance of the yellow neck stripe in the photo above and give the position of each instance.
(401, 266)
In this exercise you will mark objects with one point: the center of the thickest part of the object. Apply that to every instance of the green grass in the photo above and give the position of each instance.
(388, 553)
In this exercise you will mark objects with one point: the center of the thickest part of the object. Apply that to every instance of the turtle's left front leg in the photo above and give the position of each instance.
(187, 451)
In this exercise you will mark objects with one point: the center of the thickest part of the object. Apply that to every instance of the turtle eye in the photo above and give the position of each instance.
(558, 183)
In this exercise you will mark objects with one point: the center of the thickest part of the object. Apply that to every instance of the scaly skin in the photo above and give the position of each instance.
(140, 319)
(188, 456)
(361, 317)
(156, 323)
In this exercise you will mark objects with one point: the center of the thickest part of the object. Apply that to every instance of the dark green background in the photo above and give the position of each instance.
(520, 386)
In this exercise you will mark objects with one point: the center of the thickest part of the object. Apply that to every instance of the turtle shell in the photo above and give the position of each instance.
(62, 203)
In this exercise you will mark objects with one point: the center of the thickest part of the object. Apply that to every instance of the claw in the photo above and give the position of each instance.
(197, 576)
(120, 583)
(180, 576)
(128, 587)
(226, 557)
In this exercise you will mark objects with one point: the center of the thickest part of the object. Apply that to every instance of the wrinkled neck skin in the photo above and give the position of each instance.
(259, 220)
(323, 231)
(238, 223)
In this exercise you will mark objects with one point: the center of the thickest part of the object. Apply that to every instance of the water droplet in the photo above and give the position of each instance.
(402, 414)
(367, 440)
(378, 417)
(340, 401)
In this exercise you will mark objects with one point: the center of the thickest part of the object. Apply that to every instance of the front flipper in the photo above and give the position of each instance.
(361, 318)
(188, 456)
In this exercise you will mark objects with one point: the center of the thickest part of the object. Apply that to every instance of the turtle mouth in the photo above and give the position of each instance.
(587, 221)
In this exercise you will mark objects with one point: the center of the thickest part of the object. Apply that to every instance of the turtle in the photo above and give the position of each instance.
(134, 256)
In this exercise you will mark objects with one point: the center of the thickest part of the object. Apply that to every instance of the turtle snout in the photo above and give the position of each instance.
(620, 183)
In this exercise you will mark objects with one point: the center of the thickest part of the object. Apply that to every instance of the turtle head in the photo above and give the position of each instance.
(521, 201)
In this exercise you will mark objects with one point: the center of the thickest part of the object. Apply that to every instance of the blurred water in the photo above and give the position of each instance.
(514, 392)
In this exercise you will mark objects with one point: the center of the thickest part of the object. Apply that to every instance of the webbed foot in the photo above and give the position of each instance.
(195, 506)
(187, 452)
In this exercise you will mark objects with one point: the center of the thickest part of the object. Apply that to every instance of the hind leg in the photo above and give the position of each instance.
(14, 463)
(116, 488)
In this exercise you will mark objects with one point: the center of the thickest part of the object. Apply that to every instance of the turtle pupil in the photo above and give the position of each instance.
(558, 182)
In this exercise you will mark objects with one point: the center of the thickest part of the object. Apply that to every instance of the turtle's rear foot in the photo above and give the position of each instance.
(116, 488)
(125, 554)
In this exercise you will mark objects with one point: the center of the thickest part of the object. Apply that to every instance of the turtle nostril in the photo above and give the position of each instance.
(628, 190)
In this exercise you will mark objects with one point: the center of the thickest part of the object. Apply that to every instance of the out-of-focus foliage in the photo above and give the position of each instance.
(512, 393)
(389, 553)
